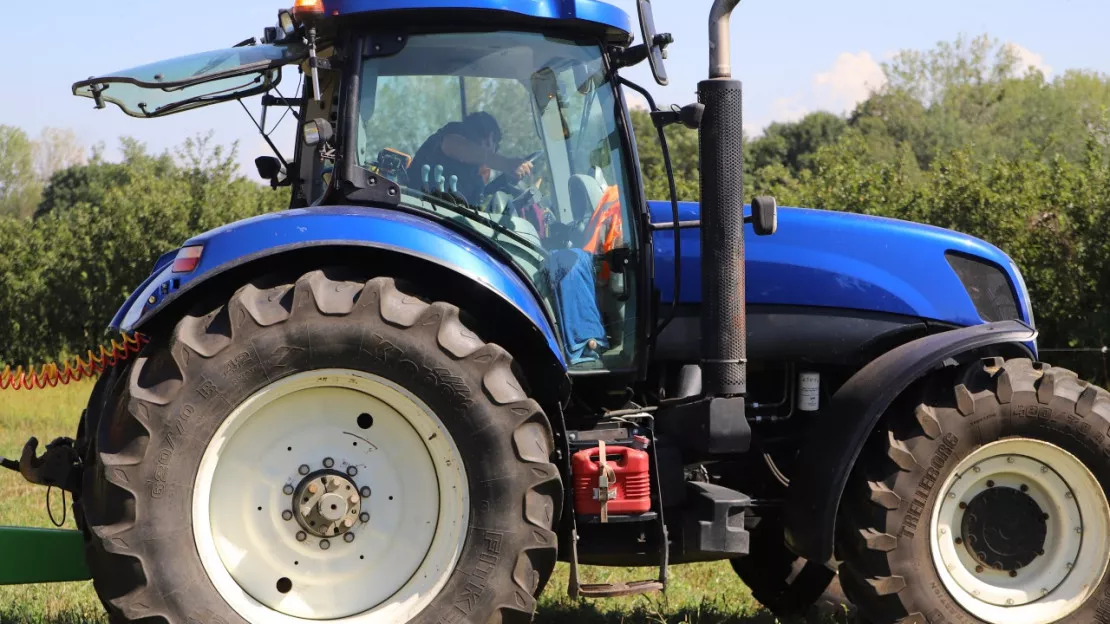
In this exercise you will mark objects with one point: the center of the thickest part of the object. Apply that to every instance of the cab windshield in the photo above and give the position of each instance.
(514, 136)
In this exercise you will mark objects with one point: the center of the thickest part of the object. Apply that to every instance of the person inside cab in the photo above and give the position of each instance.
(464, 148)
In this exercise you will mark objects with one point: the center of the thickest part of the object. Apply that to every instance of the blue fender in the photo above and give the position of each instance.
(337, 226)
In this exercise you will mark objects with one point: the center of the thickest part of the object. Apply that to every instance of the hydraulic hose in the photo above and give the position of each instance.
(93, 364)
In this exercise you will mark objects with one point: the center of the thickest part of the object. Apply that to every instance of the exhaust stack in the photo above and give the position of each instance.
(724, 325)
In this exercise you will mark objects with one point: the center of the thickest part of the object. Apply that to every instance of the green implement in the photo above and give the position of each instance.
(41, 556)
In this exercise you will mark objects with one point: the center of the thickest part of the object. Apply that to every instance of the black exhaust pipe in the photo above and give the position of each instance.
(724, 323)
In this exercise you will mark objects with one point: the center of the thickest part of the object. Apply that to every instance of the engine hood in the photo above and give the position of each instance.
(843, 260)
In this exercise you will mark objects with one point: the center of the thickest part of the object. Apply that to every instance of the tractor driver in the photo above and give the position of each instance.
(463, 149)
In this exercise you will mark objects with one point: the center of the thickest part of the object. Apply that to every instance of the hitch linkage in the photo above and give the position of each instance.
(59, 466)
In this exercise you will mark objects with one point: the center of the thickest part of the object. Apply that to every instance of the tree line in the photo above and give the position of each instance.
(961, 136)
(95, 232)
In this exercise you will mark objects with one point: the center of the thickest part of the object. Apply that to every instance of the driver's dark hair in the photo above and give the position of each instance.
(481, 125)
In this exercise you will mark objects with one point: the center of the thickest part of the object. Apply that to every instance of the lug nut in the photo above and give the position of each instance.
(990, 483)
(325, 544)
(303, 469)
(313, 488)
(349, 522)
(350, 537)
(365, 491)
(1024, 488)
(301, 536)
(959, 541)
(963, 505)
(288, 489)
(328, 462)
(352, 471)
(1013, 573)
(978, 569)
(287, 515)
(364, 516)
(353, 499)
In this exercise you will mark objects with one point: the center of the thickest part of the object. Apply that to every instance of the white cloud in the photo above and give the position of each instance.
(851, 79)
(1028, 58)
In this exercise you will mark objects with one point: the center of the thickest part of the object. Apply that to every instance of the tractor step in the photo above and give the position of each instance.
(715, 523)
(41, 556)
(613, 590)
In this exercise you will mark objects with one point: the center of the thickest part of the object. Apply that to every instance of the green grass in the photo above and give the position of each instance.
(698, 594)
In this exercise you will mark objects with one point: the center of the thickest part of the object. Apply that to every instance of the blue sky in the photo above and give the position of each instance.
(794, 56)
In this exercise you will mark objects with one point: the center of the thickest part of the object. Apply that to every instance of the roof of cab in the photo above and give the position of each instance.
(585, 10)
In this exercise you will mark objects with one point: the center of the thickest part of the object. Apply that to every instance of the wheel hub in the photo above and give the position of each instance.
(1019, 532)
(326, 504)
(1004, 528)
(263, 517)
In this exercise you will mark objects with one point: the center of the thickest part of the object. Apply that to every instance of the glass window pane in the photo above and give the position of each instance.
(191, 81)
(514, 137)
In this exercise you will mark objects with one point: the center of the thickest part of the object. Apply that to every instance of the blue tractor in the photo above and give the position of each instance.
(472, 347)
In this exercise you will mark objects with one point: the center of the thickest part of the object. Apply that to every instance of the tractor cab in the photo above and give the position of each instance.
(507, 127)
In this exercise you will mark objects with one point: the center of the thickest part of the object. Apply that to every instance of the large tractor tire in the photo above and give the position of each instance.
(322, 449)
(984, 502)
(786, 584)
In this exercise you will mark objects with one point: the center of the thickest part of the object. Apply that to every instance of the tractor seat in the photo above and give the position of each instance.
(585, 195)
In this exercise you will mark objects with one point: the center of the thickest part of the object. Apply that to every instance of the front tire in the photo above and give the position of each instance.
(787, 585)
(322, 449)
(984, 502)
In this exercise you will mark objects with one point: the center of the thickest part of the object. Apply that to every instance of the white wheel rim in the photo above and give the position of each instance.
(1076, 548)
(418, 507)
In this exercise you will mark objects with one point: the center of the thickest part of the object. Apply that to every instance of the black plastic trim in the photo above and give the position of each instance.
(830, 450)
(798, 333)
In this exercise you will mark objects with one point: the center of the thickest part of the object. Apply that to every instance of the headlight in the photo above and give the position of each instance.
(988, 286)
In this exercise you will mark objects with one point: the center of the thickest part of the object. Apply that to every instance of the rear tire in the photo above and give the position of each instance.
(984, 502)
(300, 355)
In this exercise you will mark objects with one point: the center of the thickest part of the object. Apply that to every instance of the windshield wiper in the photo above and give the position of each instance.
(470, 211)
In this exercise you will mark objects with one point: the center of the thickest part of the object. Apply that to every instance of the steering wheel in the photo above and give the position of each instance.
(507, 181)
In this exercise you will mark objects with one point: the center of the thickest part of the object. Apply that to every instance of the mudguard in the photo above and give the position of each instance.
(274, 234)
(830, 451)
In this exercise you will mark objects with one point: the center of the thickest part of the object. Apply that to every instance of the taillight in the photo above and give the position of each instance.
(187, 259)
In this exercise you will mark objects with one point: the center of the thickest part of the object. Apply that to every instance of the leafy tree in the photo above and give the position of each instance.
(19, 187)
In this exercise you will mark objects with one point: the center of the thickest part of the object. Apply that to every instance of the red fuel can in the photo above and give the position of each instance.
(629, 490)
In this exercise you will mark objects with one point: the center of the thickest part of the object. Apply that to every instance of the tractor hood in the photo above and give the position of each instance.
(851, 261)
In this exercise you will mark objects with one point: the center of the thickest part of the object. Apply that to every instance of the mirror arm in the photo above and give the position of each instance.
(628, 57)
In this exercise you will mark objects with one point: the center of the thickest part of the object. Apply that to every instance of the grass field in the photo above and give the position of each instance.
(698, 594)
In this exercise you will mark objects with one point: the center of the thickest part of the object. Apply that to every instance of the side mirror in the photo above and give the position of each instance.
(270, 168)
(765, 215)
(656, 43)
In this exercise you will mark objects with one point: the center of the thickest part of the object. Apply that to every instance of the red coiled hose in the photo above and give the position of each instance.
(53, 375)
